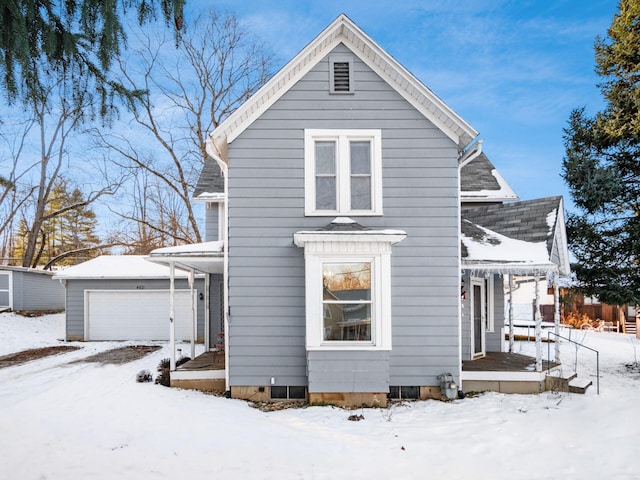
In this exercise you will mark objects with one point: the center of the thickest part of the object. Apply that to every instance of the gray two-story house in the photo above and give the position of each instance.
(340, 266)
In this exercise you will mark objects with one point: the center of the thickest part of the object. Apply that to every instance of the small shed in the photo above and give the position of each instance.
(29, 289)
(125, 297)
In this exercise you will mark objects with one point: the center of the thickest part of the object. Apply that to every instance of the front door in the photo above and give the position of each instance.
(478, 314)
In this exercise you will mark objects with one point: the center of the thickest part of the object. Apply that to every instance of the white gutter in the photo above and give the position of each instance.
(214, 152)
(513, 268)
(470, 154)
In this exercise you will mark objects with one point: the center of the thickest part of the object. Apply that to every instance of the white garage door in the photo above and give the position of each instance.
(135, 315)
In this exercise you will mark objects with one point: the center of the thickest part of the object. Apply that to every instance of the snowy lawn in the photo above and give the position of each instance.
(88, 421)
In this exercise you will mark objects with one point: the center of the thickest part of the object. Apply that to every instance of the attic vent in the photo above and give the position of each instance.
(341, 76)
(341, 73)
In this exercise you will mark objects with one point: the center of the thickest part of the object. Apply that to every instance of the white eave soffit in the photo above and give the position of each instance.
(343, 30)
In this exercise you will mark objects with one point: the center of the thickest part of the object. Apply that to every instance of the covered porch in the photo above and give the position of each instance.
(208, 370)
(206, 373)
(502, 242)
(506, 372)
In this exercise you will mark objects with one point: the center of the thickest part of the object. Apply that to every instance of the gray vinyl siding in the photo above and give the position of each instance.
(266, 207)
(367, 372)
(211, 222)
(75, 289)
(36, 291)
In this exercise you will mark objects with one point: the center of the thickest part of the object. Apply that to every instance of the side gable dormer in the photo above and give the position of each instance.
(480, 182)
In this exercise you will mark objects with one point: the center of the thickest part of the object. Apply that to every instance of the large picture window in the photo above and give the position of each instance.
(343, 170)
(348, 286)
(346, 299)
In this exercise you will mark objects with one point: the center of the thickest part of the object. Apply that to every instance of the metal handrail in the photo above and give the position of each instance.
(576, 364)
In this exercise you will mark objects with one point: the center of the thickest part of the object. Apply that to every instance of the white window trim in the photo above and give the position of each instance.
(480, 282)
(324, 247)
(380, 302)
(490, 307)
(343, 174)
(9, 289)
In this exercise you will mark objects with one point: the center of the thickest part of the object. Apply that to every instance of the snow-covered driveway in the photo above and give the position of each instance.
(62, 420)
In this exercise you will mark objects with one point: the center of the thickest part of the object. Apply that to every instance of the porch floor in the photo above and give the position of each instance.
(505, 362)
(211, 360)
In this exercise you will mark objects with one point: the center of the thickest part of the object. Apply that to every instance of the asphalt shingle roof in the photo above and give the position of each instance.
(210, 180)
(476, 175)
(527, 220)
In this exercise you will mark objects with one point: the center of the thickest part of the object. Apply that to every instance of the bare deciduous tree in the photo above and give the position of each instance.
(190, 89)
(14, 194)
(39, 155)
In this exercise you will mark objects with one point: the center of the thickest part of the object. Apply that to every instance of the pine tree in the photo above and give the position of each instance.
(44, 41)
(68, 231)
(78, 230)
(602, 169)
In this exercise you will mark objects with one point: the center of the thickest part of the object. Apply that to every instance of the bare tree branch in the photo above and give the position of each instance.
(189, 92)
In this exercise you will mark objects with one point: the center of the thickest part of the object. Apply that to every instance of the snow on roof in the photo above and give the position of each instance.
(552, 217)
(206, 257)
(497, 248)
(210, 196)
(205, 248)
(503, 192)
(480, 181)
(25, 270)
(117, 266)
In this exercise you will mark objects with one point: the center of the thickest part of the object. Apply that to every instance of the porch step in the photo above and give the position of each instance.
(579, 385)
(558, 380)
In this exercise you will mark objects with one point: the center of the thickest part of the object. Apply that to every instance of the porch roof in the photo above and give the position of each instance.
(518, 237)
(206, 257)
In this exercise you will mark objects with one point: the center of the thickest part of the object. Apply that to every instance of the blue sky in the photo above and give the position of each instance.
(513, 69)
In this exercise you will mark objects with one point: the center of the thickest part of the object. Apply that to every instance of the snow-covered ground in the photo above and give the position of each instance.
(86, 421)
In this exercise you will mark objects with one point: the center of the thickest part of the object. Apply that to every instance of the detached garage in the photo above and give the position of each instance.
(29, 289)
(127, 298)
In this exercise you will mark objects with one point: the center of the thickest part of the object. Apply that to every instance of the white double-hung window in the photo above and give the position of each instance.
(343, 172)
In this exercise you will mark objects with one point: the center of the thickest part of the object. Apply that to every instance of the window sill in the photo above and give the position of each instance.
(348, 347)
(353, 213)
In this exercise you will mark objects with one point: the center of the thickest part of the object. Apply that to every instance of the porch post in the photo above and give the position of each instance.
(207, 321)
(172, 314)
(556, 317)
(194, 318)
(511, 339)
(538, 324)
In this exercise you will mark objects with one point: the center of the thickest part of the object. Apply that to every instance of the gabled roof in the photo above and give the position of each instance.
(210, 184)
(342, 30)
(523, 234)
(481, 182)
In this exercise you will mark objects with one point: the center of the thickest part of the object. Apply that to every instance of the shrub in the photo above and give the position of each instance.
(163, 370)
